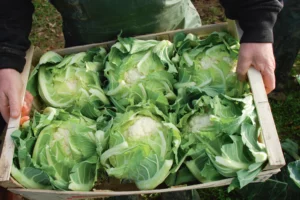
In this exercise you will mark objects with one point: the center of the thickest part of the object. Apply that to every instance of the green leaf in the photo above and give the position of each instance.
(203, 169)
(83, 175)
(50, 57)
(291, 148)
(232, 159)
(32, 178)
(294, 170)
(183, 176)
(250, 139)
(269, 190)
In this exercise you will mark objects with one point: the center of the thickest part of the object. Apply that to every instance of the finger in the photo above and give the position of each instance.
(24, 110)
(28, 97)
(4, 108)
(242, 67)
(269, 80)
(24, 119)
(28, 101)
(14, 103)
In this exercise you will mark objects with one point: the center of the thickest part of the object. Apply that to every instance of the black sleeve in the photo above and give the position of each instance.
(15, 26)
(256, 17)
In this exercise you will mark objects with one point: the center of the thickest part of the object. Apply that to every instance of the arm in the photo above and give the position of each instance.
(256, 19)
(15, 26)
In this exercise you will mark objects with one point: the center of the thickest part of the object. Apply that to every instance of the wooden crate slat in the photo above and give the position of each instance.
(11, 183)
(202, 31)
(54, 195)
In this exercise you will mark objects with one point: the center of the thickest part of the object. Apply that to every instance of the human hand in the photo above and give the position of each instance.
(10, 91)
(261, 57)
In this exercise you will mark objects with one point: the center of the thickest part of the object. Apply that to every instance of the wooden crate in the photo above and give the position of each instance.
(270, 136)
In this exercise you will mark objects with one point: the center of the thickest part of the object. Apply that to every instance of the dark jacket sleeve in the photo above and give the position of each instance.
(15, 26)
(256, 17)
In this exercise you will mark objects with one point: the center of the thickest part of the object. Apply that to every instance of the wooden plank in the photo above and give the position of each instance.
(2, 136)
(201, 31)
(82, 48)
(265, 117)
(11, 183)
(13, 124)
(58, 195)
(234, 29)
(262, 177)
(163, 37)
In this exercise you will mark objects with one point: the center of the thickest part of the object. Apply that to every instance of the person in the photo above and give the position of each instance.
(93, 21)
(100, 20)
(286, 42)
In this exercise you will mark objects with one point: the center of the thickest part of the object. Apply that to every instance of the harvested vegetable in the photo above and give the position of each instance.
(59, 150)
(70, 83)
(178, 115)
(142, 147)
(141, 71)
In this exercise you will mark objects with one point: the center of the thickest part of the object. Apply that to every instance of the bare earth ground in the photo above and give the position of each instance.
(211, 12)
(47, 35)
(46, 27)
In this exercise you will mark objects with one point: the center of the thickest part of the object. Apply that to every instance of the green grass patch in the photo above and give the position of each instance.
(286, 115)
(296, 67)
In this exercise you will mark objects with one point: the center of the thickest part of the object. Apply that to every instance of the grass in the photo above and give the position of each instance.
(47, 34)
(296, 68)
(286, 113)
(286, 116)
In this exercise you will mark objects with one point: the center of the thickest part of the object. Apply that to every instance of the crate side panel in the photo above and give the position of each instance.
(11, 183)
(54, 195)
(201, 31)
